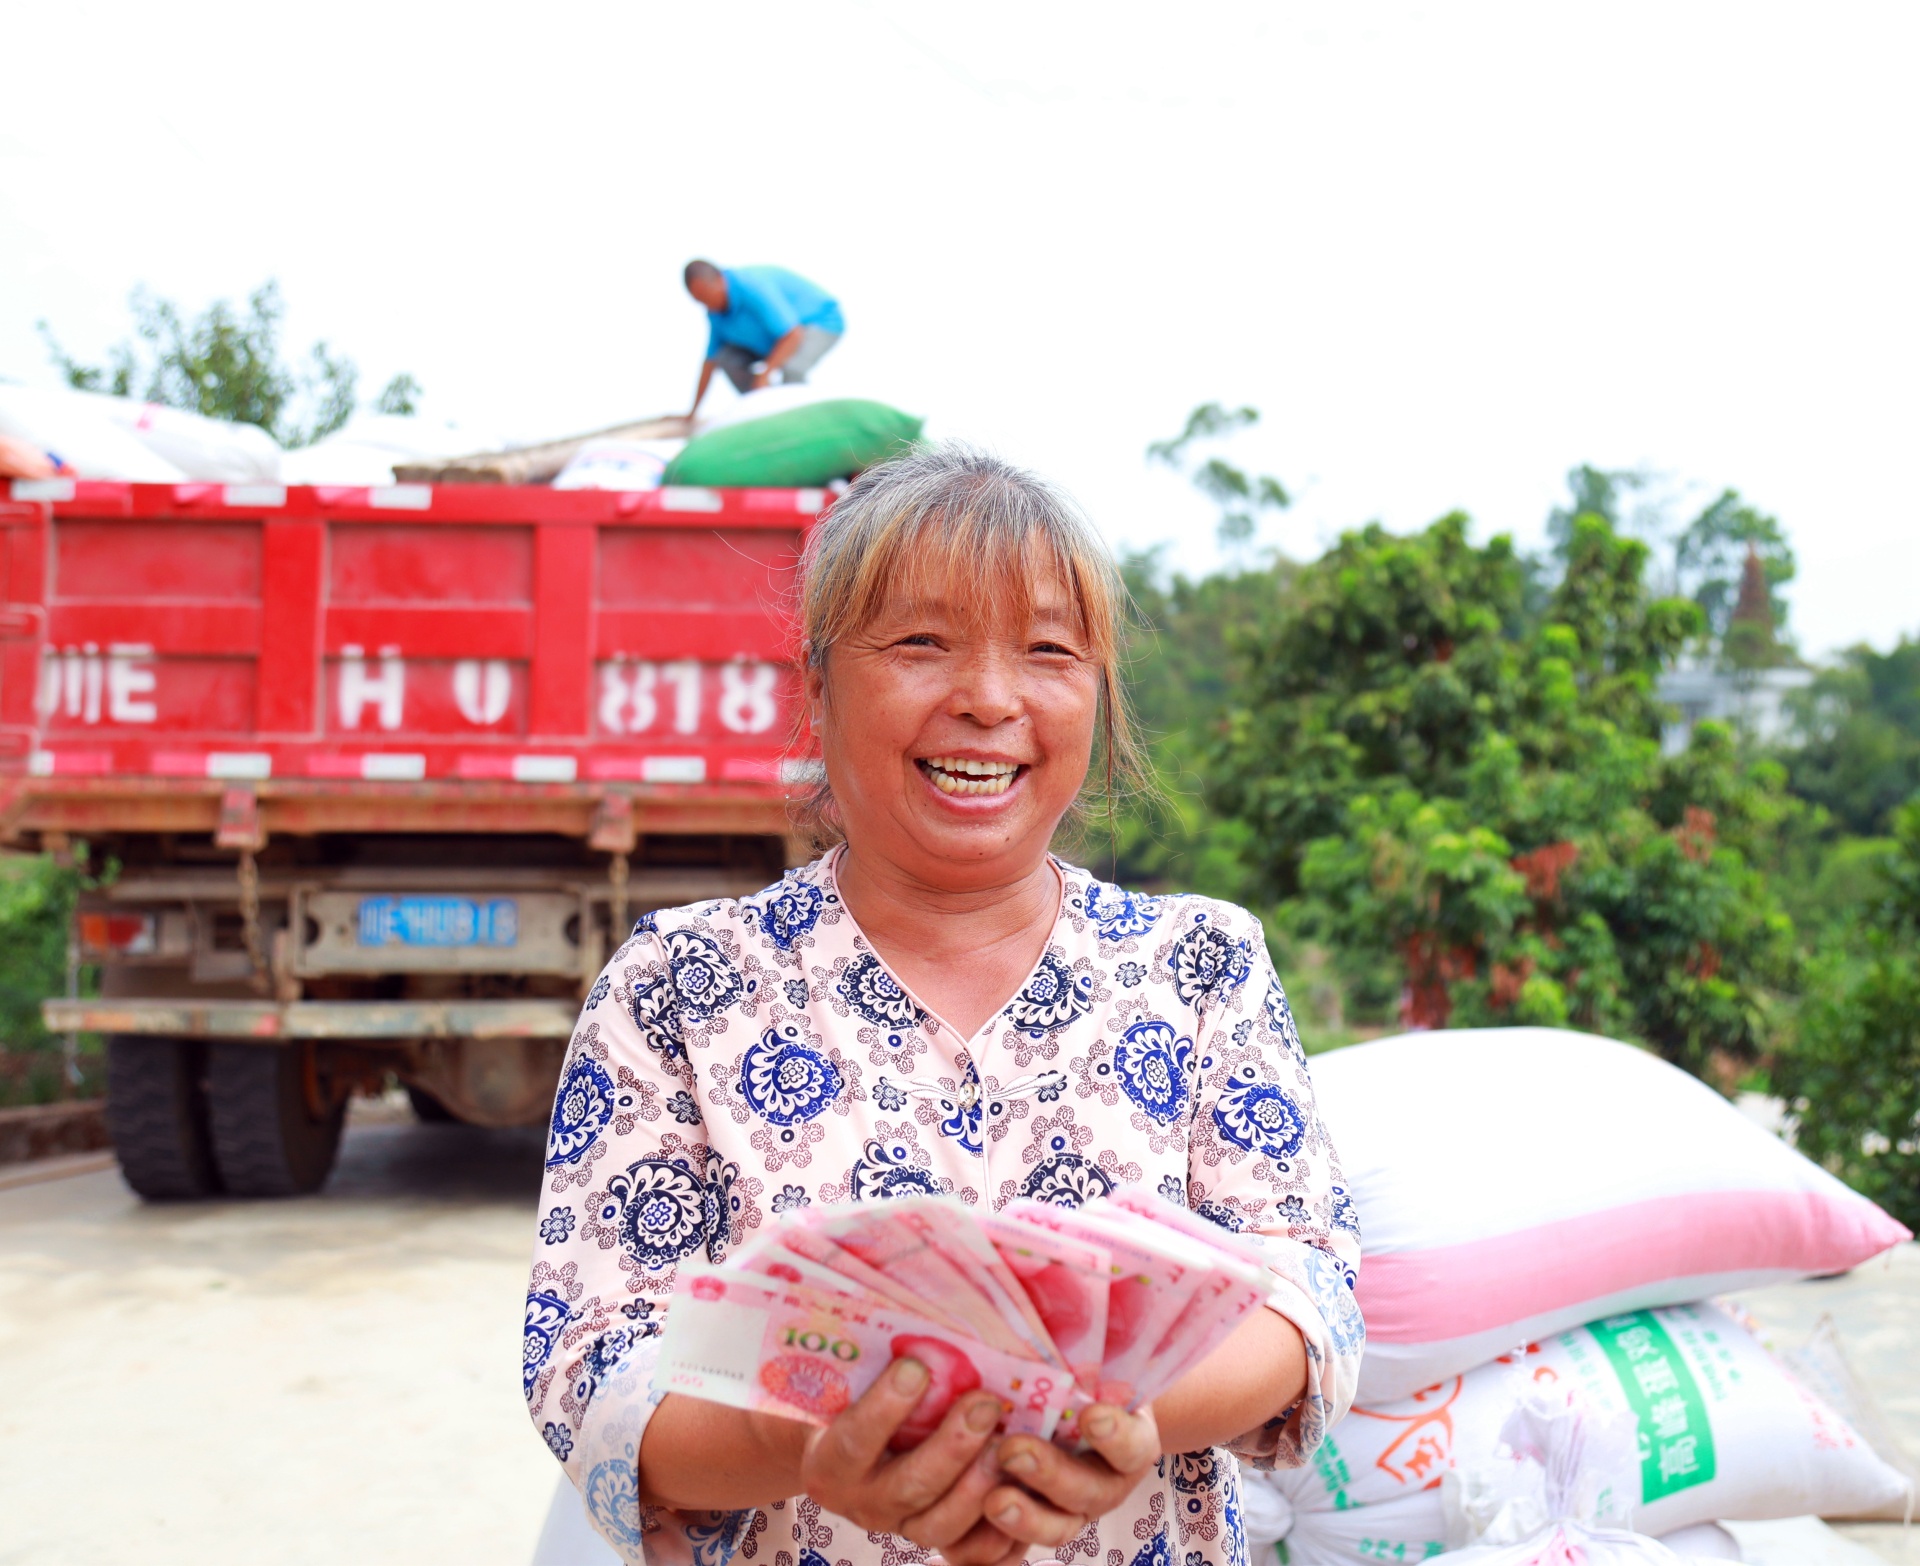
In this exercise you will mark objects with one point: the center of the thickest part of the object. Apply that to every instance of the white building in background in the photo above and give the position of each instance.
(1751, 700)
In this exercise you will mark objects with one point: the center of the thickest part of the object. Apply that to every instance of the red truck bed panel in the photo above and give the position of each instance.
(514, 639)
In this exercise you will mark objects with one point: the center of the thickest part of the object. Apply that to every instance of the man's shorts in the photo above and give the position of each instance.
(737, 364)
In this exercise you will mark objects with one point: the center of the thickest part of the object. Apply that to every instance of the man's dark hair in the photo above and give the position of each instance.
(700, 272)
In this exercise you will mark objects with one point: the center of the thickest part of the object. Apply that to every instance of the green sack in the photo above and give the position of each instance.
(801, 447)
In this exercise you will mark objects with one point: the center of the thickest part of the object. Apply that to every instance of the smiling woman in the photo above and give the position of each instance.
(947, 547)
(936, 1005)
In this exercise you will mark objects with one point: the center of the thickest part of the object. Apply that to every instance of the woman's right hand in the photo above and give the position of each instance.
(931, 1496)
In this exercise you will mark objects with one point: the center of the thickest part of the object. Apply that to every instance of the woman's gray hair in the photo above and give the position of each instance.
(945, 511)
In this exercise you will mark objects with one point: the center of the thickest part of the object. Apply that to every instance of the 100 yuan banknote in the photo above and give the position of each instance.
(748, 1341)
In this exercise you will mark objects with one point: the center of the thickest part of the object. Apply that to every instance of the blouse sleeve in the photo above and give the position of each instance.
(630, 1191)
(1260, 1162)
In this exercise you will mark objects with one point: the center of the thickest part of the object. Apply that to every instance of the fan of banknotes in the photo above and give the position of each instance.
(1050, 1309)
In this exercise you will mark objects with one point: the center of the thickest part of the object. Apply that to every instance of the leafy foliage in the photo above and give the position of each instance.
(36, 904)
(1179, 681)
(36, 901)
(1861, 756)
(1853, 1077)
(1708, 555)
(1240, 496)
(1711, 554)
(400, 395)
(1437, 775)
(226, 364)
(1621, 496)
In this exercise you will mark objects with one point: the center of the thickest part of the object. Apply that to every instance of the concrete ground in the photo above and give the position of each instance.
(333, 1380)
(326, 1380)
(1877, 1311)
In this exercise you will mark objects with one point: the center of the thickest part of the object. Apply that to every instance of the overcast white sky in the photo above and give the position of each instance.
(1449, 251)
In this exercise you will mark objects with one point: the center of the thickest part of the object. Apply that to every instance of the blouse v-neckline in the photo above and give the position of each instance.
(982, 1034)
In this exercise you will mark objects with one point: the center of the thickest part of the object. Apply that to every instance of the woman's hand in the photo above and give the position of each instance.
(931, 1496)
(1058, 1494)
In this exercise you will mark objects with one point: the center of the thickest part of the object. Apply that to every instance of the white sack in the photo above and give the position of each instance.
(1822, 1367)
(1569, 1544)
(365, 448)
(1514, 1182)
(1799, 1541)
(76, 432)
(618, 464)
(346, 462)
(1703, 1542)
(210, 451)
(1553, 1494)
(1726, 1432)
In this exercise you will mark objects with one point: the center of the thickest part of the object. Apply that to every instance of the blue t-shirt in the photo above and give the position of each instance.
(764, 303)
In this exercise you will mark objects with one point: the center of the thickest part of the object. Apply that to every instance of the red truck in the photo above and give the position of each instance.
(386, 774)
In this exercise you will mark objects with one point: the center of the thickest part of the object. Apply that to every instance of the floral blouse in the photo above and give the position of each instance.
(741, 1058)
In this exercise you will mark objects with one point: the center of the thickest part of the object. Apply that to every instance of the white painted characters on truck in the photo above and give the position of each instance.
(386, 691)
(383, 691)
(375, 695)
(482, 690)
(82, 684)
(640, 696)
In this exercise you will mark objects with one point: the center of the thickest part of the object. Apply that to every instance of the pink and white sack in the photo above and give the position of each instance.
(1512, 1183)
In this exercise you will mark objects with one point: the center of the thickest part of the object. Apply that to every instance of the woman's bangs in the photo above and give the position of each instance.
(990, 572)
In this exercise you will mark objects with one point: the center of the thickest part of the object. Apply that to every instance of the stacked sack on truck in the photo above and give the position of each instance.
(1546, 1210)
(791, 437)
(96, 436)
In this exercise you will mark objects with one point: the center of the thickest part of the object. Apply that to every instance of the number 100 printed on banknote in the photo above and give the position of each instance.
(802, 1354)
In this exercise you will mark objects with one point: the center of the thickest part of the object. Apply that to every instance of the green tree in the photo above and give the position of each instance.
(1441, 774)
(1615, 494)
(36, 907)
(1861, 753)
(1240, 496)
(1710, 556)
(400, 395)
(226, 364)
(1179, 684)
(36, 897)
(1853, 1075)
(1179, 671)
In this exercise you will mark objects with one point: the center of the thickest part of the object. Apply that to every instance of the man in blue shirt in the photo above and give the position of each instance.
(761, 319)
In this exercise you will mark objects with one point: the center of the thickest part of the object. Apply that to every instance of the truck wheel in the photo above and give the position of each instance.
(428, 1109)
(157, 1116)
(266, 1140)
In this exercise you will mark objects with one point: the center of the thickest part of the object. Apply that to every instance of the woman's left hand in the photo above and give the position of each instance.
(1057, 1494)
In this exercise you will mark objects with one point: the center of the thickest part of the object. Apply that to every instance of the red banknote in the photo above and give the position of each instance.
(1047, 1308)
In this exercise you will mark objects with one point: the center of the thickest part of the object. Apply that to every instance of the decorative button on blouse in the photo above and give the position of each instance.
(741, 1058)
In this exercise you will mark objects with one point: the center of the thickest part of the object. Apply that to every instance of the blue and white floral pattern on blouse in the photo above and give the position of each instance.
(740, 1059)
(787, 913)
(1053, 997)
(582, 1111)
(1117, 915)
(875, 994)
(1153, 1060)
(786, 1082)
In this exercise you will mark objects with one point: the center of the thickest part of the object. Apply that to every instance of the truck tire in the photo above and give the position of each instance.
(428, 1110)
(266, 1141)
(157, 1116)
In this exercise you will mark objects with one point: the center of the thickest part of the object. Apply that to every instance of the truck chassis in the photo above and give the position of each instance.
(407, 865)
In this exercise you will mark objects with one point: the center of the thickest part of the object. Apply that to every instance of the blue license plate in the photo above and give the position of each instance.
(439, 921)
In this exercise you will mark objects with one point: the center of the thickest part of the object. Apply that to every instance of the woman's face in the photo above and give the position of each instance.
(954, 751)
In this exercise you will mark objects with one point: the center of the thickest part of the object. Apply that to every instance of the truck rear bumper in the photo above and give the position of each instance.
(271, 1022)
